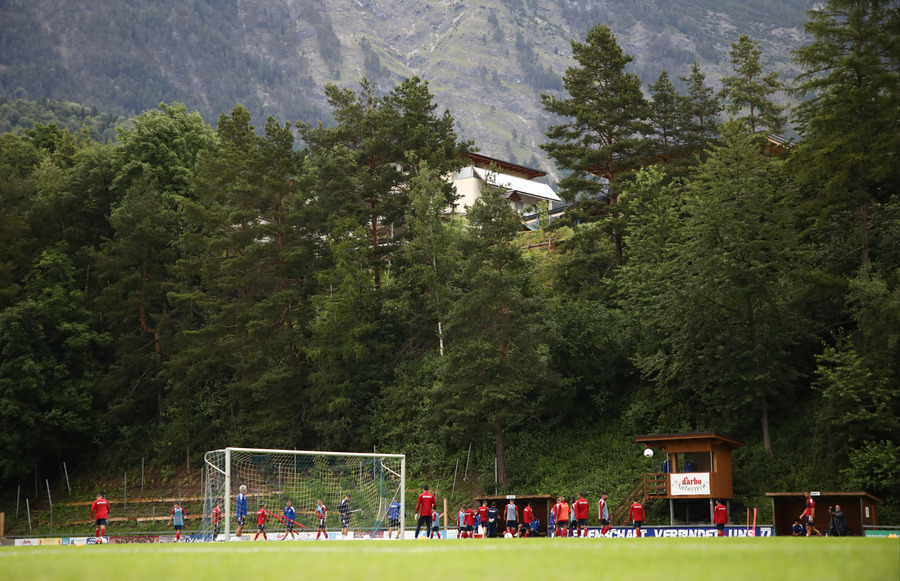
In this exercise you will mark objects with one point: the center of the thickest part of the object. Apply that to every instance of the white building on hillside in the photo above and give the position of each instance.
(523, 192)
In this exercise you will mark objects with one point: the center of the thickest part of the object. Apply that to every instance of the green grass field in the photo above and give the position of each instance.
(725, 559)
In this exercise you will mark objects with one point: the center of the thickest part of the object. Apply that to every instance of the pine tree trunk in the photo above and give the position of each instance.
(767, 442)
(498, 436)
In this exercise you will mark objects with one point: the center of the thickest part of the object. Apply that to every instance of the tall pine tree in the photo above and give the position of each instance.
(603, 136)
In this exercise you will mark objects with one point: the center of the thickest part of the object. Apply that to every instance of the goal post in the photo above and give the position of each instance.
(274, 477)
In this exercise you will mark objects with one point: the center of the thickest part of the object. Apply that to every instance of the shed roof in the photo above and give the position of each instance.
(660, 439)
(828, 494)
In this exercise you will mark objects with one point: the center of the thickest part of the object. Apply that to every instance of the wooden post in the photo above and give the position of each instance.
(445, 516)
(2, 524)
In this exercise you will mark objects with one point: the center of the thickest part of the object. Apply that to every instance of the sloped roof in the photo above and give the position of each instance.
(520, 185)
(479, 160)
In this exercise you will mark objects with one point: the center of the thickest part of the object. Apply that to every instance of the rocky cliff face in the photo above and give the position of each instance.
(487, 62)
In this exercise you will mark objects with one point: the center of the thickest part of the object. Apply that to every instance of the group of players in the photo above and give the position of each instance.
(288, 518)
(566, 518)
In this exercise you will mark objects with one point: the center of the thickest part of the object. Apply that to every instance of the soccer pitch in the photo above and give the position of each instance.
(633, 559)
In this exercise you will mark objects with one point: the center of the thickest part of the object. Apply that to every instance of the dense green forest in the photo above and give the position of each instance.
(186, 287)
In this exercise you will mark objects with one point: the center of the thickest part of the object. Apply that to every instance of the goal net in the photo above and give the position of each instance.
(274, 477)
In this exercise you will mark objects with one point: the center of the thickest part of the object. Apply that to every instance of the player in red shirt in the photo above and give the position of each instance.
(638, 516)
(483, 519)
(99, 514)
(262, 517)
(809, 515)
(469, 520)
(424, 506)
(527, 515)
(216, 519)
(581, 508)
(561, 514)
(720, 517)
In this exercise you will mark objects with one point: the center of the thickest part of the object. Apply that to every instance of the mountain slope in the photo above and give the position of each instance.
(486, 61)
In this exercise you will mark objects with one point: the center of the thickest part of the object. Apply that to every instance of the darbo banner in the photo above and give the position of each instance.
(689, 483)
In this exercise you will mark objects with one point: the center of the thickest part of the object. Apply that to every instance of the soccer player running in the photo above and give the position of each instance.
(809, 515)
(322, 515)
(720, 517)
(512, 518)
(527, 517)
(393, 515)
(638, 516)
(344, 511)
(240, 510)
(561, 514)
(177, 520)
(262, 517)
(290, 517)
(216, 521)
(99, 514)
(603, 514)
(424, 506)
(581, 508)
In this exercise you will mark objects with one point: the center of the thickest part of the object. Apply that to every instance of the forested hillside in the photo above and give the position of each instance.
(193, 286)
(486, 61)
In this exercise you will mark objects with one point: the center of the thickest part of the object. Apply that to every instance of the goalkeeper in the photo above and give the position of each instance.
(290, 517)
(240, 511)
(393, 515)
(344, 510)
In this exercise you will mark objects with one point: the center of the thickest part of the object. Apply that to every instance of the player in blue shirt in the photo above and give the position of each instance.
(177, 519)
(290, 516)
(393, 515)
(240, 511)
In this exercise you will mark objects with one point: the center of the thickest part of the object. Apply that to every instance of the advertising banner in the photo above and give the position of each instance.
(134, 539)
(684, 532)
(886, 533)
(28, 542)
(689, 484)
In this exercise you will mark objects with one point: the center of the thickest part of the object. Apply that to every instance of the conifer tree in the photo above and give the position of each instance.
(700, 108)
(749, 91)
(603, 135)
(850, 118)
(493, 364)
(665, 114)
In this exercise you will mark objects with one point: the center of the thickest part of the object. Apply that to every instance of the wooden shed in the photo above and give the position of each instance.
(693, 470)
(860, 509)
(541, 506)
(697, 453)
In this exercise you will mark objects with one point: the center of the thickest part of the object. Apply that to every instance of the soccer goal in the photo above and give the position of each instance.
(273, 477)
